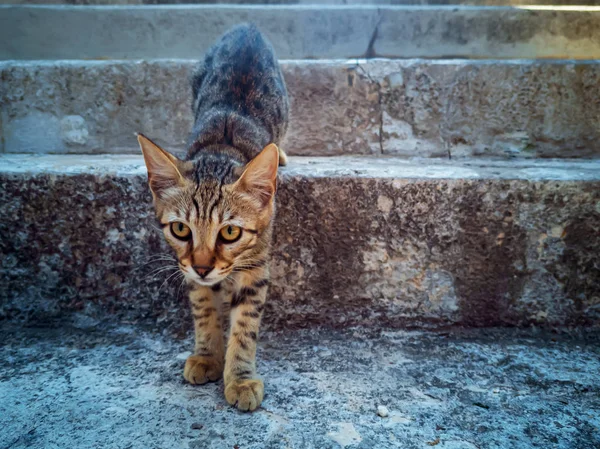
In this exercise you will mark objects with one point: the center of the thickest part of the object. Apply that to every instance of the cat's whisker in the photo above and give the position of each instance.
(160, 257)
(160, 270)
(169, 263)
(156, 228)
(142, 266)
(181, 284)
(166, 254)
(248, 261)
(154, 259)
(247, 265)
(166, 281)
(163, 268)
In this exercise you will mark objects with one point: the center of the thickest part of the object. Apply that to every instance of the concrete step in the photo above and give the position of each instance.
(358, 241)
(300, 31)
(80, 386)
(462, 109)
(529, 3)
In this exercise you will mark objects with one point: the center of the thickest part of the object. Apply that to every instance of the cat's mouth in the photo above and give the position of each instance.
(206, 281)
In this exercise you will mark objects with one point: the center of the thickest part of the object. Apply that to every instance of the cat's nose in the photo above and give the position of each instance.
(202, 270)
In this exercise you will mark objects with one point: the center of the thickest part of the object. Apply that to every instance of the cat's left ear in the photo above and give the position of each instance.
(259, 178)
(164, 169)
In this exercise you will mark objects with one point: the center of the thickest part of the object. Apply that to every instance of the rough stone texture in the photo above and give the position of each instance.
(303, 31)
(505, 109)
(526, 33)
(83, 107)
(122, 388)
(511, 109)
(334, 109)
(368, 241)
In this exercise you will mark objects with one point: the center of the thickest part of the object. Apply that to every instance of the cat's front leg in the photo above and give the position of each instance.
(207, 362)
(242, 387)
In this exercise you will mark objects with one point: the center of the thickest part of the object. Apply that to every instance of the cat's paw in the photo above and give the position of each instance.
(199, 369)
(245, 394)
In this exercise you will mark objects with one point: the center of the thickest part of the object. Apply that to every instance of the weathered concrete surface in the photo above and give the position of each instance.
(82, 107)
(511, 109)
(369, 241)
(505, 109)
(300, 31)
(122, 387)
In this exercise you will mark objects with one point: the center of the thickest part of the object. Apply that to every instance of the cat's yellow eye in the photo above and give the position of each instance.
(230, 233)
(181, 231)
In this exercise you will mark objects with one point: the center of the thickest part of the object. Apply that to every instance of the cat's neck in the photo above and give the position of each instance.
(219, 162)
(216, 151)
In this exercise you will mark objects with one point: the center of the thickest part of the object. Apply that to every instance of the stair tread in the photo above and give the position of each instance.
(83, 385)
(336, 166)
(126, 31)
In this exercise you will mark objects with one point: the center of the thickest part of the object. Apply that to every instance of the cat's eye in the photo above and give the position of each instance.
(181, 231)
(230, 234)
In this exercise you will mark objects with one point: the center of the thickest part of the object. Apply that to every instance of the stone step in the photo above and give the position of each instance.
(300, 31)
(358, 241)
(441, 108)
(528, 3)
(78, 386)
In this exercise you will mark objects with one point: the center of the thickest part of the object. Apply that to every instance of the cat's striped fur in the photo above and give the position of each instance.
(226, 184)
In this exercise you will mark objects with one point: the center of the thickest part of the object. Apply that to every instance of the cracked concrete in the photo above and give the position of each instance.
(81, 383)
(370, 52)
(300, 31)
(377, 87)
(460, 109)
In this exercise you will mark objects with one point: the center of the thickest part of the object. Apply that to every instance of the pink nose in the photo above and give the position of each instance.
(202, 270)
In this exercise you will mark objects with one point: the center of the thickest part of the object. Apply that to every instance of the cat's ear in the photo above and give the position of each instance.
(259, 178)
(164, 169)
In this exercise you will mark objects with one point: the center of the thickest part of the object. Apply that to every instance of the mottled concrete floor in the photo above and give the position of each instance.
(120, 387)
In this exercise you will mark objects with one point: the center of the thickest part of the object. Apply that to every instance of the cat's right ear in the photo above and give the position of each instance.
(164, 169)
(259, 179)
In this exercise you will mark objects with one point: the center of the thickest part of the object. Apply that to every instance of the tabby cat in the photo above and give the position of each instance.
(216, 206)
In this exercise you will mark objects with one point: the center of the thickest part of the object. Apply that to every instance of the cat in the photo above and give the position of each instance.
(216, 206)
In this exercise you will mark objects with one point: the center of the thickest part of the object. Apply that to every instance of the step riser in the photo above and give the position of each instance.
(69, 32)
(411, 108)
(304, 2)
(364, 251)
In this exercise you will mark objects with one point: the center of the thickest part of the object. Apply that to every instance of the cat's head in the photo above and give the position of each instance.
(215, 213)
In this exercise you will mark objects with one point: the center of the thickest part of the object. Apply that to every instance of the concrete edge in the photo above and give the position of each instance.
(311, 7)
(327, 167)
(404, 62)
